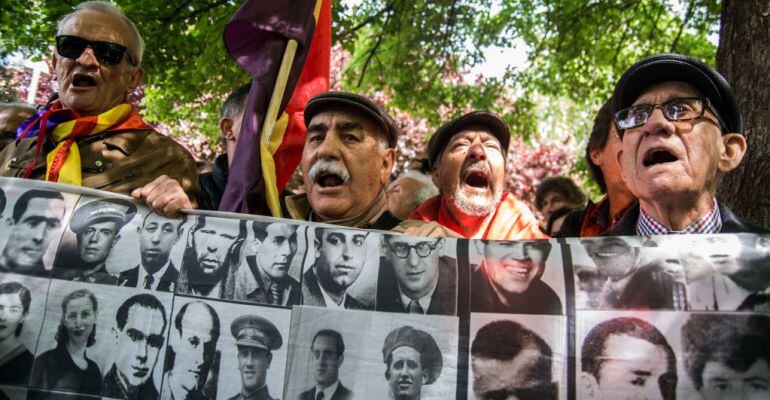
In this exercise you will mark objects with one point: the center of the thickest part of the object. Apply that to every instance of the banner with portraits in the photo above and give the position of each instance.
(101, 298)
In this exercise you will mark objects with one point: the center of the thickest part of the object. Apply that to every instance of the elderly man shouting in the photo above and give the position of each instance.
(681, 129)
(92, 136)
(346, 162)
(467, 160)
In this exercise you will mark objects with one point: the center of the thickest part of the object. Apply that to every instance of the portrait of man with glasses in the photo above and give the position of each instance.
(340, 256)
(415, 278)
(508, 279)
(681, 130)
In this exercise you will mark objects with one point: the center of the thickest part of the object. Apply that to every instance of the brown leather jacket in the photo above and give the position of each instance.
(114, 161)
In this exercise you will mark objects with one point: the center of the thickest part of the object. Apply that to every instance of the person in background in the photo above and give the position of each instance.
(11, 116)
(408, 191)
(556, 192)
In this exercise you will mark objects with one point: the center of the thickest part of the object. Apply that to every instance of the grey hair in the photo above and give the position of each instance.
(427, 190)
(18, 105)
(108, 8)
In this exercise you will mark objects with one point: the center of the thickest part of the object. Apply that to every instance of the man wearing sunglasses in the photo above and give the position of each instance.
(92, 136)
(681, 130)
(414, 279)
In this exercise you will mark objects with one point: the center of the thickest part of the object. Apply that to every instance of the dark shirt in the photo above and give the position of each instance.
(539, 298)
(55, 370)
(594, 220)
(167, 282)
(100, 276)
(37, 270)
(311, 293)
(444, 298)
(16, 365)
(213, 184)
(113, 386)
(260, 394)
(289, 288)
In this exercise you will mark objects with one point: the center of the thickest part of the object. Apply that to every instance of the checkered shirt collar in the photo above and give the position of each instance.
(711, 222)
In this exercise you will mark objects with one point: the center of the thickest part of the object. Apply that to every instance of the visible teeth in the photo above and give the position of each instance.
(607, 254)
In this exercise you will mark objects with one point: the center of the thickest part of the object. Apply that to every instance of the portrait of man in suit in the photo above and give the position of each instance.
(328, 354)
(36, 215)
(340, 255)
(413, 278)
(157, 236)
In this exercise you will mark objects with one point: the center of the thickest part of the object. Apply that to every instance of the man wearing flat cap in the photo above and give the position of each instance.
(681, 130)
(346, 162)
(467, 161)
(412, 359)
(256, 339)
(97, 228)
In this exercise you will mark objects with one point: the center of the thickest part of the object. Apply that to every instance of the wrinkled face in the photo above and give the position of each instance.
(194, 348)
(407, 374)
(156, 239)
(664, 158)
(140, 341)
(95, 242)
(253, 363)
(343, 164)
(416, 274)
(613, 256)
(29, 236)
(341, 255)
(212, 244)
(552, 201)
(275, 252)
(509, 379)
(11, 314)
(79, 319)
(470, 172)
(512, 266)
(401, 196)
(720, 382)
(326, 360)
(86, 85)
(631, 369)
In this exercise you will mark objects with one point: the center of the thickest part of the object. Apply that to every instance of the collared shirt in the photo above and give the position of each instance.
(328, 392)
(716, 293)
(424, 301)
(155, 277)
(711, 222)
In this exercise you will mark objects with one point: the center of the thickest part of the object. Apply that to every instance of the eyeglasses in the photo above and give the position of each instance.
(683, 109)
(106, 52)
(423, 249)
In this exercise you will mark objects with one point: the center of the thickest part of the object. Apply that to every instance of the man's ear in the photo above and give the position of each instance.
(596, 156)
(622, 171)
(136, 79)
(342, 359)
(269, 359)
(226, 127)
(733, 150)
(590, 385)
(388, 159)
(317, 247)
(114, 242)
(479, 247)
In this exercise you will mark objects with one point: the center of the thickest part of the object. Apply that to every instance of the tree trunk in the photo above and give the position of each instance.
(743, 57)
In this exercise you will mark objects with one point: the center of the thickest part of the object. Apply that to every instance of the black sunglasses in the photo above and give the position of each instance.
(106, 52)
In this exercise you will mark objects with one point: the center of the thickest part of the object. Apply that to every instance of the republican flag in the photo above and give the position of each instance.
(257, 38)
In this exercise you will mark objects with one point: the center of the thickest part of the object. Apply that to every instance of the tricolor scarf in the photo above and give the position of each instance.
(63, 126)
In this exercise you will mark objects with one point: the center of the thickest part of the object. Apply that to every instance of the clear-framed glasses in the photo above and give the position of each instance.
(423, 249)
(683, 109)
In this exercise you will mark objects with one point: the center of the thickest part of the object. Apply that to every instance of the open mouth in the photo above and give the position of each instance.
(329, 180)
(518, 270)
(83, 80)
(658, 156)
(477, 179)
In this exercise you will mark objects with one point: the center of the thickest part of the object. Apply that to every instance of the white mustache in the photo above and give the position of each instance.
(327, 167)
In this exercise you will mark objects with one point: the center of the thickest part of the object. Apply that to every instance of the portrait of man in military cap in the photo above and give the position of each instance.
(256, 338)
(412, 359)
(96, 226)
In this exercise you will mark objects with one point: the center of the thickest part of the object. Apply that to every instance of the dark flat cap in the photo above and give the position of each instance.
(494, 123)
(430, 354)
(676, 67)
(323, 101)
(115, 210)
(255, 331)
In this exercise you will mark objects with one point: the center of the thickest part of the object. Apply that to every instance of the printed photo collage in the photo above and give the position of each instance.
(101, 299)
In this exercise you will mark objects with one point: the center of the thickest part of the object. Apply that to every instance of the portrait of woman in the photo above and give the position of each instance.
(67, 367)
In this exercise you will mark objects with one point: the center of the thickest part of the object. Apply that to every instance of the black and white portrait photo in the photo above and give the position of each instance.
(357, 354)
(192, 357)
(101, 340)
(521, 277)
(253, 351)
(417, 275)
(727, 356)
(22, 306)
(343, 272)
(270, 275)
(628, 355)
(616, 273)
(211, 257)
(96, 226)
(517, 357)
(32, 222)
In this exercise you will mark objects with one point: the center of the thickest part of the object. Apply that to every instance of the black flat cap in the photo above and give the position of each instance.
(494, 123)
(676, 67)
(323, 101)
(422, 342)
